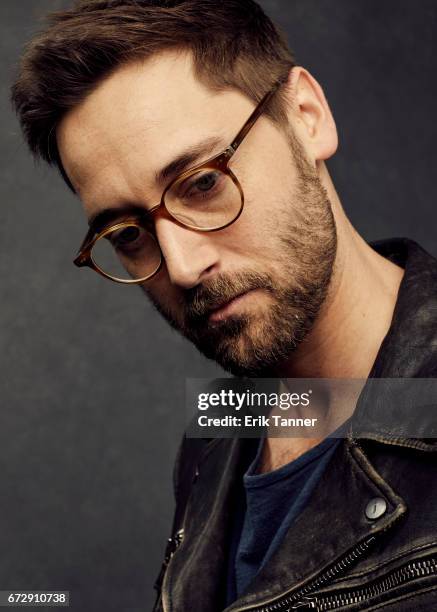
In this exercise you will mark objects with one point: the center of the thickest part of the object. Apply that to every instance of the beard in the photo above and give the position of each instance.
(295, 282)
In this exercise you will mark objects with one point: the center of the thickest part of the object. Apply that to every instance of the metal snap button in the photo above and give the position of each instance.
(375, 508)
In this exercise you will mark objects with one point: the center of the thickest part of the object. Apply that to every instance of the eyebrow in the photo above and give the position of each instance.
(176, 166)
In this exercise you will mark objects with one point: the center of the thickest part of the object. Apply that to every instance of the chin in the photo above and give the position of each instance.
(241, 356)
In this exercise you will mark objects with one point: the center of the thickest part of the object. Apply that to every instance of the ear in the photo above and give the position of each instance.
(310, 116)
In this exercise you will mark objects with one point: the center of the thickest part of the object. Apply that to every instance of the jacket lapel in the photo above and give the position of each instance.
(334, 521)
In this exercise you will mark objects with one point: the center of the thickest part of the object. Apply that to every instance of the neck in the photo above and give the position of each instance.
(348, 332)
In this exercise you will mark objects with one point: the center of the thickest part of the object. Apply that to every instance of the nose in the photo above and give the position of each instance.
(190, 256)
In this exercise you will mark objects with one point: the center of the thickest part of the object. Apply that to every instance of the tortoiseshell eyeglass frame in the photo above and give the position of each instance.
(218, 162)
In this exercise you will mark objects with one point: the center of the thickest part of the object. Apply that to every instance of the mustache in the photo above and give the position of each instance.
(201, 300)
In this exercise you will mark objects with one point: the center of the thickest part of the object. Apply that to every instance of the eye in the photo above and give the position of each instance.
(202, 185)
(206, 181)
(127, 237)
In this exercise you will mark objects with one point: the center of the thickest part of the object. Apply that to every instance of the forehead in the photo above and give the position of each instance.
(138, 119)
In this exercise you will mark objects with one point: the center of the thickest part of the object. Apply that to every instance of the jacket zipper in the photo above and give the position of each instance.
(302, 600)
(415, 569)
(173, 544)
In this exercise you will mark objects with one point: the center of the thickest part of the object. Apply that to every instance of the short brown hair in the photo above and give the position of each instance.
(234, 45)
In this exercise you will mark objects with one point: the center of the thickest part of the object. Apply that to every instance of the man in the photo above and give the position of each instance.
(197, 147)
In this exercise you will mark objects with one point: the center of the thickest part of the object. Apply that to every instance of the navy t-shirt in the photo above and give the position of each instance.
(267, 506)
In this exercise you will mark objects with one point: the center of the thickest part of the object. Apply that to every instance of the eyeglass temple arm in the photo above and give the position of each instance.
(259, 109)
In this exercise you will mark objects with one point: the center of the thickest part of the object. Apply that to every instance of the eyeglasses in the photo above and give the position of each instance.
(207, 197)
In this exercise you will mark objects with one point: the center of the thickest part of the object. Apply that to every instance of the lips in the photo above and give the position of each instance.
(221, 313)
(211, 300)
(224, 303)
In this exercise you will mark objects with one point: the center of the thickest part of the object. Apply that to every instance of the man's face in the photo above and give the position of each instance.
(279, 254)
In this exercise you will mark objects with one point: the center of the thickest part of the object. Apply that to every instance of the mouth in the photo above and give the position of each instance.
(225, 309)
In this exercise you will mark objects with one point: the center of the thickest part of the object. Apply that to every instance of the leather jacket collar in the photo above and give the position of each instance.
(409, 350)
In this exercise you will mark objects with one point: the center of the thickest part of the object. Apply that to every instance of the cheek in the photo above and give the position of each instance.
(162, 292)
(255, 234)
(268, 180)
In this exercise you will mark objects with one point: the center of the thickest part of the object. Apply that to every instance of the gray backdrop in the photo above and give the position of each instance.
(92, 380)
